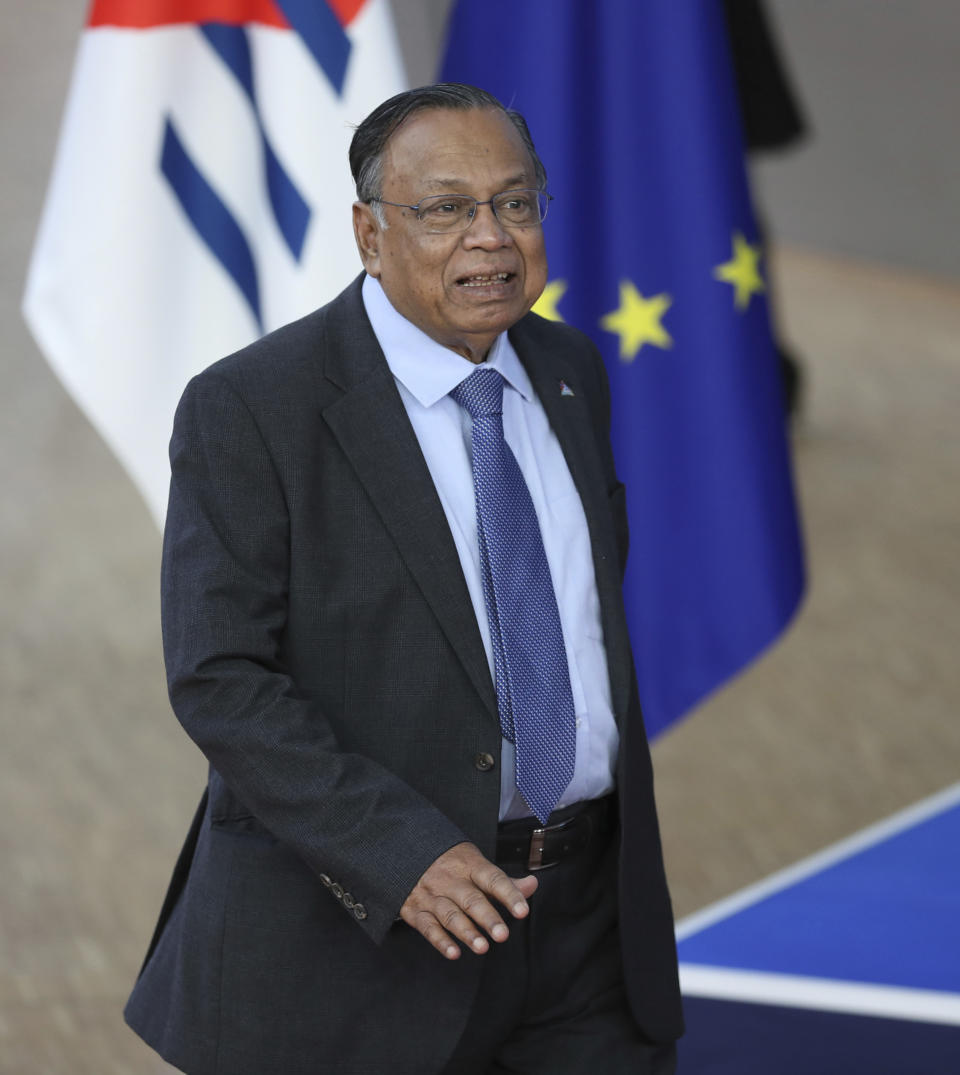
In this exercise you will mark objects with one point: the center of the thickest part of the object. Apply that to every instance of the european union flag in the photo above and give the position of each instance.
(654, 253)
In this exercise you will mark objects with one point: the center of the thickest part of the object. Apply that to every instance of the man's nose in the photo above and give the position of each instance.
(485, 229)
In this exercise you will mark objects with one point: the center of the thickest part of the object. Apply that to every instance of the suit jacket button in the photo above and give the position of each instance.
(484, 762)
(337, 890)
(359, 911)
(348, 901)
(325, 880)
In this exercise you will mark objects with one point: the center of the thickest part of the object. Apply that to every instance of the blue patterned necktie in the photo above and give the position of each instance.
(534, 698)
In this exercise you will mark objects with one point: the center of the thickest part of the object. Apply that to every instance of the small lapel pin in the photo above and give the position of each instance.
(566, 390)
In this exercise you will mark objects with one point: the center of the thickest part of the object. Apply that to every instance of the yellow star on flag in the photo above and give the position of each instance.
(742, 271)
(637, 321)
(546, 305)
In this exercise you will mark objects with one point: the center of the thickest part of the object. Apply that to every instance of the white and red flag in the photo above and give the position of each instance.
(200, 196)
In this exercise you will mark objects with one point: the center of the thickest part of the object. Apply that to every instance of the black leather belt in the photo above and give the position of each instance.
(570, 831)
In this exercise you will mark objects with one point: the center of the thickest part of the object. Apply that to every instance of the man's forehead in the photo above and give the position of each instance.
(449, 184)
(443, 148)
(448, 131)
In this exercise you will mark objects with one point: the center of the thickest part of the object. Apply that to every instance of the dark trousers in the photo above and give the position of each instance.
(551, 1000)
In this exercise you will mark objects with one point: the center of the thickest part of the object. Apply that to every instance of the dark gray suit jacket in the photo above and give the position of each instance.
(323, 652)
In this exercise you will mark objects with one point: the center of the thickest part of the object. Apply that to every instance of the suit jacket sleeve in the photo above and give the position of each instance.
(225, 599)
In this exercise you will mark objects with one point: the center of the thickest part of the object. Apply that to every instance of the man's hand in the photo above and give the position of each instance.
(450, 901)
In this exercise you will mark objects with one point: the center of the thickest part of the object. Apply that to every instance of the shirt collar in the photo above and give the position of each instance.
(427, 369)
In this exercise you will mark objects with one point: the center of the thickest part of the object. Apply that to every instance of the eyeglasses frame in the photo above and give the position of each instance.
(477, 204)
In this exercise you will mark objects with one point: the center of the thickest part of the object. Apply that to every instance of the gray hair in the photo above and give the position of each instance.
(370, 138)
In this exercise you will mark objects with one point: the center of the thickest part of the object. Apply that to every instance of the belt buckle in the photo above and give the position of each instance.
(538, 842)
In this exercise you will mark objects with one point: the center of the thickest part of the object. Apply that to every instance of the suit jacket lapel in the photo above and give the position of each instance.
(372, 427)
(574, 426)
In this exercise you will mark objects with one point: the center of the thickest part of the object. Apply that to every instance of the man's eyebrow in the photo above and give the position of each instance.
(452, 185)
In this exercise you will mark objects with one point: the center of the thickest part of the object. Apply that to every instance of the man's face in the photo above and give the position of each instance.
(450, 285)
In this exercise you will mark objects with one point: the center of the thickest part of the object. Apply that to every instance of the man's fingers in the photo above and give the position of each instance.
(527, 885)
(443, 924)
(479, 909)
(505, 890)
(450, 901)
(462, 921)
(427, 925)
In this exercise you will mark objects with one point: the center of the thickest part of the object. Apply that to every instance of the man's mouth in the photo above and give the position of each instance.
(485, 279)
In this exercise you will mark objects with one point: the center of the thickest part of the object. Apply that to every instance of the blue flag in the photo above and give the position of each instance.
(654, 253)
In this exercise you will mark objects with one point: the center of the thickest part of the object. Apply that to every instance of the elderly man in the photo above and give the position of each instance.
(393, 623)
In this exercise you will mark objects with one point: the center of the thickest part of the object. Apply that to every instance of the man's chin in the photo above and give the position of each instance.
(491, 313)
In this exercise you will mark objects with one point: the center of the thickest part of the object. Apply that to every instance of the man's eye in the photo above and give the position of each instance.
(450, 208)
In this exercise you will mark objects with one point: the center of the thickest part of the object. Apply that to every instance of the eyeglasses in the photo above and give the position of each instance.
(455, 212)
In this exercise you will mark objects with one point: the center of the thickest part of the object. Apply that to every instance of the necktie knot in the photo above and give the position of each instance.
(480, 394)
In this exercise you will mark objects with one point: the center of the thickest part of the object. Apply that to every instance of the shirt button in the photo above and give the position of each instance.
(578, 721)
(484, 762)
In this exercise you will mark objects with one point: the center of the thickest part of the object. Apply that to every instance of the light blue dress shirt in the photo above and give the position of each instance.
(425, 373)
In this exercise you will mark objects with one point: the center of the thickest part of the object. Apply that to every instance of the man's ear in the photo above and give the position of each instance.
(367, 231)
